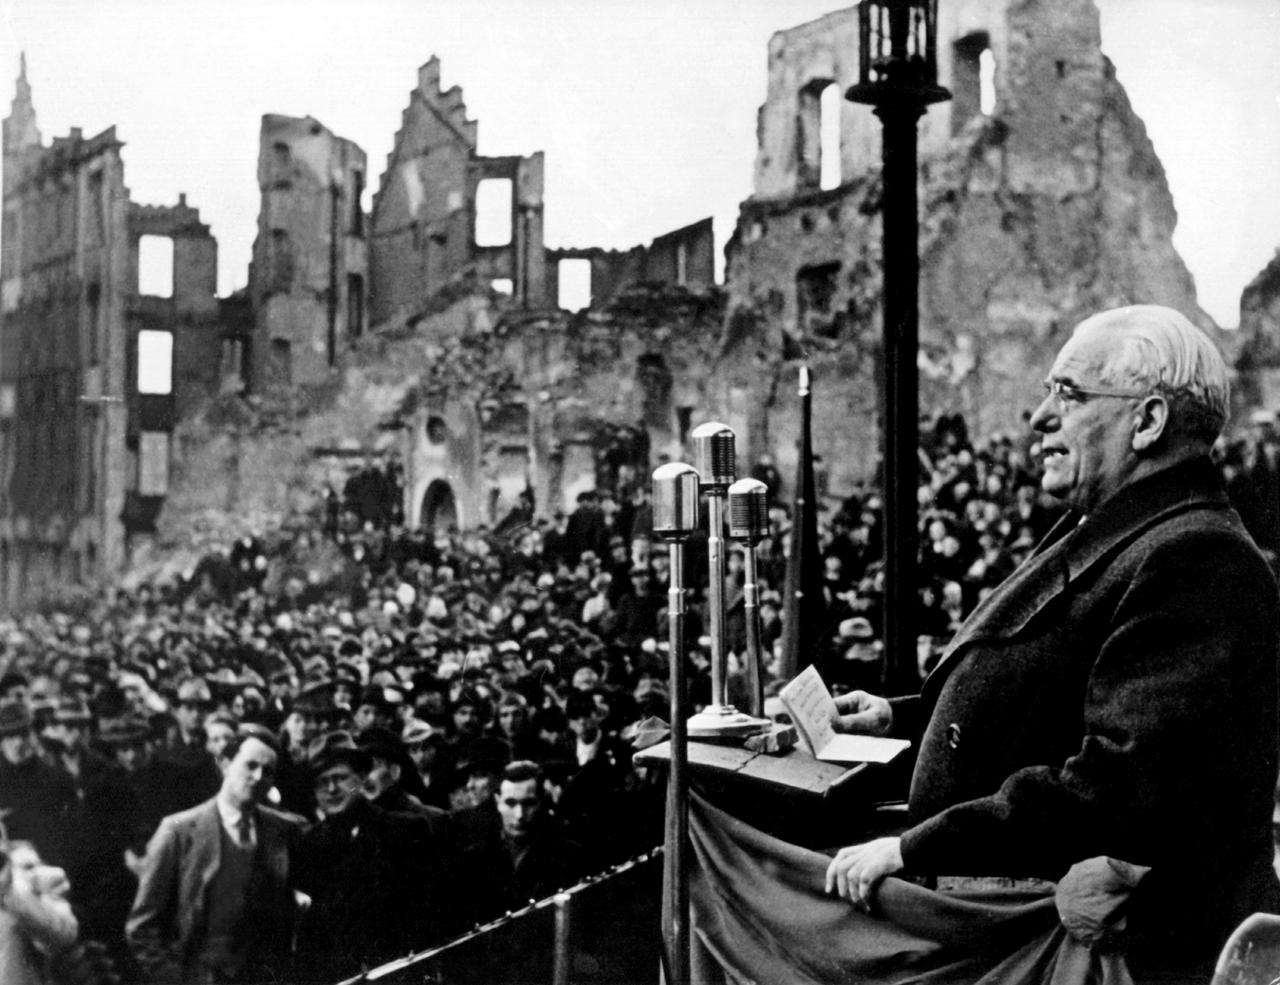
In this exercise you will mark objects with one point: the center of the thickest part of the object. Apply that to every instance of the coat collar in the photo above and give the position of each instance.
(1073, 547)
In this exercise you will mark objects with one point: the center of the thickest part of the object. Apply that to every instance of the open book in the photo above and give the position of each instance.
(812, 710)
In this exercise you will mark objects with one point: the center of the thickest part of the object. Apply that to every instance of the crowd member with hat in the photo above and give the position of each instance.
(182, 752)
(65, 739)
(122, 806)
(37, 801)
(393, 784)
(591, 805)
(373, 709)
(431, 759)
(308, 715)
(372, 896)
(215, 900)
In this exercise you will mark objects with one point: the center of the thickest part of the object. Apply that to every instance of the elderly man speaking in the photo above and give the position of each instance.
(1116, 695)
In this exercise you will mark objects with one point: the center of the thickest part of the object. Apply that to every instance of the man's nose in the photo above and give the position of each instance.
(1046, 415)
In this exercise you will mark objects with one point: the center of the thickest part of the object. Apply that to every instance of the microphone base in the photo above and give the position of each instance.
(725, 722)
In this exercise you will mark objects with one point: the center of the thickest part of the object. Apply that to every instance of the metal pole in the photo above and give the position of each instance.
(678, 779)
(563, 954)
(675, 519)
(754, 657)
(899, 231)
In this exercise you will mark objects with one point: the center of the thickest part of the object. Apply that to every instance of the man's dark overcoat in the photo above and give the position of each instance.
(1115, 696)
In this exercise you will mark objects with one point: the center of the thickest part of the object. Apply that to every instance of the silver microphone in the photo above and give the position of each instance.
(749, 511)
(713, 454)
(675, 501)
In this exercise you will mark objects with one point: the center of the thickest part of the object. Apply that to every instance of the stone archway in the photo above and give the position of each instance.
(439, 508)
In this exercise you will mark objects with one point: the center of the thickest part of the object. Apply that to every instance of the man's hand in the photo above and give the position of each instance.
(856, 871)
(863, 713)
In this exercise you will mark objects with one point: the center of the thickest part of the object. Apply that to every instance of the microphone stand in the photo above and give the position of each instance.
(713, 445)
(749, 523)
(675, 519)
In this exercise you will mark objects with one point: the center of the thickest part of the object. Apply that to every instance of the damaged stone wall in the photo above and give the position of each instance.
(1258, 362)
(423, 226)
(479, 401)
(684, 257)
(1051, 208)
(308, 280)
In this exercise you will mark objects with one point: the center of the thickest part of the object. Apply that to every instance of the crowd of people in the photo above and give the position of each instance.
(323, 748)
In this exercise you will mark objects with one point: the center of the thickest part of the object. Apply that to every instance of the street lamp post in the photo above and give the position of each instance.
(898, 75)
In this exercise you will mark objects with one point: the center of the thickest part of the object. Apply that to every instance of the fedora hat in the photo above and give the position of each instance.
(332, 748)
(15, 718)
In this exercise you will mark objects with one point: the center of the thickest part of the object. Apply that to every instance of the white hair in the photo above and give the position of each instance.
(1162, 352)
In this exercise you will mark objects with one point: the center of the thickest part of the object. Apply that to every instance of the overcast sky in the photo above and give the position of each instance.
(646, 110)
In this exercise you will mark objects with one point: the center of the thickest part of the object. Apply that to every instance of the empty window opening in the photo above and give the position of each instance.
(503, 285)
(829, 138)
(357, 204)
(573, 288)
(155, 266)
(493, 212)
(815, 299)
(153, 463)
(987, 82)
(93, 300)
(155, 362)
(355, 305)
(818, 135)
(973, 73)
(280, 363)
(436, 430)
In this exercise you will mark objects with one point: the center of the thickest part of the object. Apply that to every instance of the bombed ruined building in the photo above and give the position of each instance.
(1042, 201)
(425, 240)
(308, 280)
(423, 226)
(85, 427)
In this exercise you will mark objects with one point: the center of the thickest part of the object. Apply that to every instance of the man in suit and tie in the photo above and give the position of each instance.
(215, 900)
(1116, 695)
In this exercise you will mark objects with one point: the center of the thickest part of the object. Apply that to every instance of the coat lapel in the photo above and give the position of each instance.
(208, 844)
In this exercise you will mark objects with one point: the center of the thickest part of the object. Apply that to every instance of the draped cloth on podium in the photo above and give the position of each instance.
(760, 915)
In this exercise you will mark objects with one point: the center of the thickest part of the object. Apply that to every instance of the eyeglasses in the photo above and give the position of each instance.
(1065, 393)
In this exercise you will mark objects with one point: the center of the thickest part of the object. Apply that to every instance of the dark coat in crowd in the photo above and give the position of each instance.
(374, 892)
(497, 877)
(1116, 696)
(38, 803)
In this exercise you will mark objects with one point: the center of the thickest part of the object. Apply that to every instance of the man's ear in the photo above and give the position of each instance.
(1152, 420)
(394, 770)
